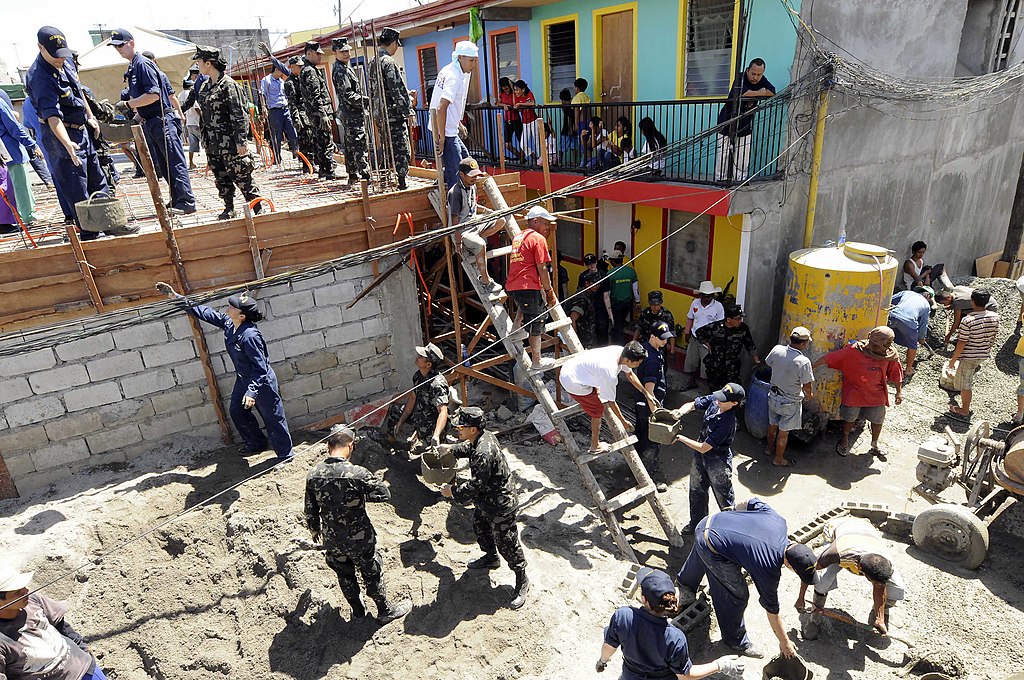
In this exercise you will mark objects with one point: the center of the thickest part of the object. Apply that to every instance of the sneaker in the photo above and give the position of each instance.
(662, 487)
(484, 562)
(751, 650)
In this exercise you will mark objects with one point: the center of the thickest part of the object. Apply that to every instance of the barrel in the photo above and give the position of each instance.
(755, 415)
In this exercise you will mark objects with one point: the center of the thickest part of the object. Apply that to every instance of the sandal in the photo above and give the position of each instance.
(877, 453)
(784, 464)
(840, 449)
(601, 448)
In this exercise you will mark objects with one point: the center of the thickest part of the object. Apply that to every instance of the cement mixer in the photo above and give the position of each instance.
(991, 472)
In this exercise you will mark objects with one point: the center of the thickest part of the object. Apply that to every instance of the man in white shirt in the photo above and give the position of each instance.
(704, 310)
(592, 377)
(449, 100)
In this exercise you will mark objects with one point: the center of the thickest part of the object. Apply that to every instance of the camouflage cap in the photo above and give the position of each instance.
(313, 46)
(206, 53)
(294, 60)
(655, 297)
(340, 44)
(390, 35)
(469, 416)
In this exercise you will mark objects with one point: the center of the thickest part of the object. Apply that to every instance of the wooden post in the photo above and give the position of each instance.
(364, 193)
(501, 141)
(545, 163)
(182, 279)
(83, 266)
(254, 246)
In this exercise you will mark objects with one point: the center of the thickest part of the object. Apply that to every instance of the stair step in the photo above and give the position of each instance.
(629, 497)
(571, 410)
(557, 325)
(587, 458)
(499, 252)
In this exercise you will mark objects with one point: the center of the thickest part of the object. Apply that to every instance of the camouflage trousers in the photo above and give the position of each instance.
(305, 137)
(323, 150)
(498, 533)
(399, 144)
(421, 423)
(231, 171)
(345, 562)
(355, 148)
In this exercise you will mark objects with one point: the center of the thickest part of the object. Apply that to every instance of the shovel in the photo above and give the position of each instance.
(846, 618)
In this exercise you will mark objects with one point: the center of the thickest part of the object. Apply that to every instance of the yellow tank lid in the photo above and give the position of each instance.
(857, 250)
(852, 257)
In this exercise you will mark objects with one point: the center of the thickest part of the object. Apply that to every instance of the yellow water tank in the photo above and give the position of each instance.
(840, 294)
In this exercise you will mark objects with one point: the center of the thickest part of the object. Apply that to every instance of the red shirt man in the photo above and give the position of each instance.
(528, 275)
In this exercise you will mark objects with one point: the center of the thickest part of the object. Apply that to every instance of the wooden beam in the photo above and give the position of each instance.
(504, 384)
(501, 142)
(479, 334)
(254, 245)
(364, 195)
(182, 280)
(376, 282)
(83, 266)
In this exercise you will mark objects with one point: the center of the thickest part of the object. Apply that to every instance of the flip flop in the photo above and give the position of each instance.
(959, 416)
(840, 449)
(601, 448)
(784, 464)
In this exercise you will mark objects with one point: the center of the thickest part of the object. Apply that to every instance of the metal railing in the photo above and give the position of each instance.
(709, 160)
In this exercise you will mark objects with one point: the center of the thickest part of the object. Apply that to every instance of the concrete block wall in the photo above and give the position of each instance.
(113, 396)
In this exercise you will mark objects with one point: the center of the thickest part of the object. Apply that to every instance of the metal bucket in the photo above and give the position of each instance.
(664, 425)
(438, 468)
(101, 214)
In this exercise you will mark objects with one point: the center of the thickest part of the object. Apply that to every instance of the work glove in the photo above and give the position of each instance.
(731, 666)
(164, 288)
(122, 107)
(601, 665)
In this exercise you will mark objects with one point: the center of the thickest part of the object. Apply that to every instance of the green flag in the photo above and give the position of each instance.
(476, 27)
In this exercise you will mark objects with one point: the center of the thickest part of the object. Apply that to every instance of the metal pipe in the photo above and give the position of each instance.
(812, 195)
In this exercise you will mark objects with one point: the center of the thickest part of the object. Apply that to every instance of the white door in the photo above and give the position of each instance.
(614, 225)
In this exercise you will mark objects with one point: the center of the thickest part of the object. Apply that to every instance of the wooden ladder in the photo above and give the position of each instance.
(645, 489)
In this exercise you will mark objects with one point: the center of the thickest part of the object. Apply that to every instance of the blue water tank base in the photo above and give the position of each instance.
(755, 414)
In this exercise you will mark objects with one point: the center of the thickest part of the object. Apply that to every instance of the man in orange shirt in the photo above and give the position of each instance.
(529, 283)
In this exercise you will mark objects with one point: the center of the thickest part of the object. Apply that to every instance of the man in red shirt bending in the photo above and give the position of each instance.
(528, 277)
(866, 365)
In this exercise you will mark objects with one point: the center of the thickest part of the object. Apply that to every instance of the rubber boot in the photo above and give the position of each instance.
(812, 626)
(522, 588)
(401, 184)
(485, 561)
(388, 611)
(358, 606)
(229, 212)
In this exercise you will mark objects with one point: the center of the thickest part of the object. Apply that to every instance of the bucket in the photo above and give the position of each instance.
(755, 415)
(438, 468)
(792, 668)
(664, 425)
(101, 214)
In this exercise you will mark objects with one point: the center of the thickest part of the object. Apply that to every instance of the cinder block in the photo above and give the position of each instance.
(22, 439)
(327, 400)
(168, 353)
(190, 373)
(275, 330)
(356, 351)
(19, 466)
(145, 334)
(374, 327)
(300, 387)
(342, 375)
(180, 327)
(365, 387)
(382, 363)
(176, 400)
(344, 334)
(285, 305)
(382, 344)
(17, 388)
(322, 317)
(296, 408)
(368, 307)
(202, 415)
(337, 294)
(92, 396)
(114, 438)
(122, 363)
(61, 453)
(275, 291)
(313, 364)
(355, 271)
(33, 411)
(73, 425)
(58, 379)
(302, 344)
(86, 347)
(37, 480)
(20, 364)
(158, 428)
(314, 283)
(392, 381)
(285, 370)
(275, 355)
(126, 409)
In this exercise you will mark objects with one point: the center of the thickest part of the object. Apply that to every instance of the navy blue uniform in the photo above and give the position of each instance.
(753, 538)
(652, 370)
(254, 378)
(59, 93)
(651, 648)
(163, 129)
(712, 469)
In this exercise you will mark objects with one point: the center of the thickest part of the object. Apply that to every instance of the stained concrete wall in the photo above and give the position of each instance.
(113, 396)
(895, 175)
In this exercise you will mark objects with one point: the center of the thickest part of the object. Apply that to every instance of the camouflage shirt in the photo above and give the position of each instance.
(393, 102)
(725, 346)
(348, 91)
(431, 392)
(315, 97)
(336, 495)
(293, 91)
(647, 319)
(583, 304)
(490, 488)
(225, 125)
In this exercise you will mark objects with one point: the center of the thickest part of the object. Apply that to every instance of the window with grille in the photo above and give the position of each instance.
(561, 57)
(708, 55)
(688, 250)
(506, 55)
(428, 71)
(569, 234)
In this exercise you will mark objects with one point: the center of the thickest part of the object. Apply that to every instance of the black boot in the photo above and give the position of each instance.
(358, 606)
(485, 561)
(229, 212)
(388, 611)
(258, 208)
(522, 588)
(401, 184)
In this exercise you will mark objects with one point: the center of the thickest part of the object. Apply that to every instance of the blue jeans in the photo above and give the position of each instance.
(280, 127)
(163, 134)
(711, 470)
(95, 674)
(454, 151)
(726, 583)
(271, 409)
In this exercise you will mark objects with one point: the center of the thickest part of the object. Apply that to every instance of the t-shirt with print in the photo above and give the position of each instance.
(32, 648)
(702, 316)
(529, 249)
(864, 377)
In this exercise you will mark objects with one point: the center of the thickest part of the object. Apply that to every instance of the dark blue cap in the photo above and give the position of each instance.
(53, 41)
(120, 36)
(654, 585)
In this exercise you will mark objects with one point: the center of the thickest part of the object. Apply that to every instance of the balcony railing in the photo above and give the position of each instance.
(706, 160)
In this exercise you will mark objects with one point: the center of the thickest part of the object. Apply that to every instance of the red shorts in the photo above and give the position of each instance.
(591, 403)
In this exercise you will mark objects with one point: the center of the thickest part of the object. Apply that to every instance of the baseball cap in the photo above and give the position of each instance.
(342, 432)
(53, 41)
(539, 211)
(733, 311)
(11, 579)
(430, 351)
(655, 584)
(617, 254)
(662, 330)
(120, 36)
(731, 392)
(800, 333)
(589, 258)
(469, 166)
(469, 416)
(314, 46)
(803, 561)
(464, 48)
(655, 297)
(242, 302)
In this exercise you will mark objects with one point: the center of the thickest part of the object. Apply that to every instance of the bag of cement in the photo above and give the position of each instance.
(542, 423)
(947, 378)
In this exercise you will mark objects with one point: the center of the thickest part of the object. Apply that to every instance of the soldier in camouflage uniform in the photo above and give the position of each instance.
(225, 129)
(337, 491)
(726, 340)
(493, 496)
(351, 103)
(655, 313)
(293, 91)
(426, 407)
(581, 311)
(317, 103)
(392, 106)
